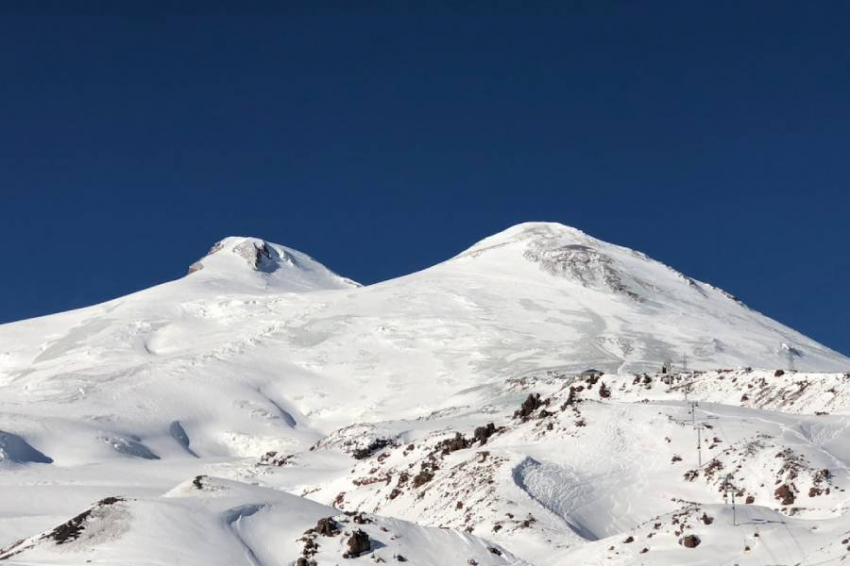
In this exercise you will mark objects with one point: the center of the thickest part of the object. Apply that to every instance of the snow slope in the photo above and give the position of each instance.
(260, 348)
(602, 459)
(214, 521)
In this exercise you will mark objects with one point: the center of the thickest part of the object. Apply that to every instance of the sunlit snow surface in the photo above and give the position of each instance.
(261, 348)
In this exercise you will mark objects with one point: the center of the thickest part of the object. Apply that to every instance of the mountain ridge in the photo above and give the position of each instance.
(458, 396)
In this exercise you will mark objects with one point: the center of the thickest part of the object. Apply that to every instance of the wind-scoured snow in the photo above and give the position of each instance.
(263, 366)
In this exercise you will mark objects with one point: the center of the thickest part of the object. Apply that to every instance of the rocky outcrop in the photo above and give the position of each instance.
(358, 543)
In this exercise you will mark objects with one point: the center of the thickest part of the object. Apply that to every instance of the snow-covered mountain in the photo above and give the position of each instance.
(264, 367)
(251, 264)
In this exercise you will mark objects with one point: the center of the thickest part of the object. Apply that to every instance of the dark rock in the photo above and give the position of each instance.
(785, 494)
(273, 458)
(72, 529)
(422, 478)
(327, 527)
(482, 433)
(531, 404)
(358, 543)
(690, 541)
(572, 398)
(712, 469)
(373, 447)
(449, 445)
(311, 547)
(821, 476)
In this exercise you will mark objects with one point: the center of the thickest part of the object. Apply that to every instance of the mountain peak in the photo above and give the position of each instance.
(241, 259)
(257, 254)
(530, 231)
(568, 254)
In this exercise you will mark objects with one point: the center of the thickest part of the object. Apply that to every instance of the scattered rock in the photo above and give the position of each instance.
(72, 529)
(712, 469)
(459, 442)
(572, 398)
(328, 527)
(482, 433)
(373, 447)
(422, 478)
(785, 494)
(273, 458)
(360, 518)
(358, 543)
(531, 404)
(690, 541)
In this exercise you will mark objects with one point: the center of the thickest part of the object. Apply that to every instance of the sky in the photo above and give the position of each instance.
(382, 138)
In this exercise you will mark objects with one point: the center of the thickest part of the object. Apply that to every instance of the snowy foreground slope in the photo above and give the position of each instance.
(218, 418)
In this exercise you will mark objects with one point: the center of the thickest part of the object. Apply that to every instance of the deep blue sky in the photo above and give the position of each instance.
(713, 136)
